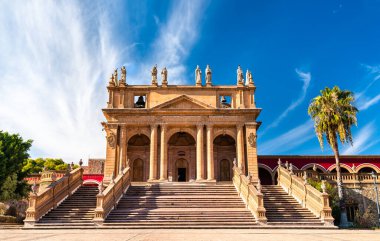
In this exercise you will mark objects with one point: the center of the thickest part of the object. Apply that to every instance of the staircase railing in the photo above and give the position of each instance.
(250, 194)
(41, 203)
(309, 197)
(108, 199)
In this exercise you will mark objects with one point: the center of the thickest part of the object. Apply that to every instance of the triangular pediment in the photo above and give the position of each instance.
(183, 102)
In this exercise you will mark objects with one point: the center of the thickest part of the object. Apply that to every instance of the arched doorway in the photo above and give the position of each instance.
(181, 170)
(138, 170)
(181, 155)
(138, 154)
(367, 170)
(265, 176)
(224, 152)
(342, 170)
(225, 170)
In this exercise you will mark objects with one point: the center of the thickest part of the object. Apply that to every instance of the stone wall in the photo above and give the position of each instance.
(365, 199)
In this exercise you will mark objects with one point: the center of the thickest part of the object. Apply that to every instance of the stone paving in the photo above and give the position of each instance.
(182, 235)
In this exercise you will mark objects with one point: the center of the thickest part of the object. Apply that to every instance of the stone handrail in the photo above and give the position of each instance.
(309, 197)
(251, 195)
(41, 203)
(348, 179)
(108, 199)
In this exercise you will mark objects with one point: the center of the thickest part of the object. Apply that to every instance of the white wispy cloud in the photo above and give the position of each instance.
(305, 77)
(175, 40)
(54, 58)
(363, 140)
(289, 140)
(362, 100)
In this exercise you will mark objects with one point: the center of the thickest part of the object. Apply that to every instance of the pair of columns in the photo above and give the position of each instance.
(164, 159)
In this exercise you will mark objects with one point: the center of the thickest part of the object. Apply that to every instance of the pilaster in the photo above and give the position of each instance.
(163, 155)
(200, 167)
(153, 153)
(111, 152)
(240, 146)
(251, 140)
(210, 153)
(123, 148)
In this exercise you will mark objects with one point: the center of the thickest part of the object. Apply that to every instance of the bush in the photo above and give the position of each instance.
(366, 220)
(8, 219)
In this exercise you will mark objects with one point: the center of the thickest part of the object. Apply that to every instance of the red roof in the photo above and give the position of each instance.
(325, 161)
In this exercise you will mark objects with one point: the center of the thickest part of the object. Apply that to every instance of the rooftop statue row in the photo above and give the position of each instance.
(114, 81)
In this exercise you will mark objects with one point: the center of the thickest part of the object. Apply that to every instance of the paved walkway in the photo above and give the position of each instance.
(197, 234)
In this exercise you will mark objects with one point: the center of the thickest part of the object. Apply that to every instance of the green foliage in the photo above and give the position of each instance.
(38, 165)
(13, 155)
(333, 114)
(8, 219)
(34, 166)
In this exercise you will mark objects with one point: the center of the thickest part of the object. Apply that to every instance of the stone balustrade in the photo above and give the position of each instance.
(108, 199)
(42, 202)
(250, 194)
(309, 197)
(350, 180)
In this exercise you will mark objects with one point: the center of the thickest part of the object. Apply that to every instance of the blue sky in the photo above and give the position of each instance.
(56, 57)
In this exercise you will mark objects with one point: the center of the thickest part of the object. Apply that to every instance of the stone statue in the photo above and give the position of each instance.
(240, 77)
(112, 81)
(123, 75)
(115, 77)
(198, 76)
(164, 76)
(250, 79)
(246, 77)
(154, 75)
(208, 75)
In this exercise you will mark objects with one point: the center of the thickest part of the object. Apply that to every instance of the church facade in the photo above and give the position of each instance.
(185, 133)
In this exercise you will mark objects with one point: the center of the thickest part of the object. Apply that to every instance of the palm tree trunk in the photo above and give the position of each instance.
(342, 202)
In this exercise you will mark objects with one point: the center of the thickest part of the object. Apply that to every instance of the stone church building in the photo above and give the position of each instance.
(185, 133)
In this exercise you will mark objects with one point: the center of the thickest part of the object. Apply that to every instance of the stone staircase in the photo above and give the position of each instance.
(173, 205)
(76, 210)
(283, 209)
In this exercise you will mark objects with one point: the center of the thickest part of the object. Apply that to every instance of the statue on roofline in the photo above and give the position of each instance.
(115, 77)
(123, 74)
(164, 75)
(240, 77)
(154, 75)
(208, 75)
(198, 76)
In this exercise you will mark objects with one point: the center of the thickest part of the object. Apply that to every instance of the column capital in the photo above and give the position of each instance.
(164, 126)
(239, 125)
(209, 126)
(153, 126)
(200, 125)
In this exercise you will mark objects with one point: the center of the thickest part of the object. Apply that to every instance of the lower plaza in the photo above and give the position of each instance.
(185, 157)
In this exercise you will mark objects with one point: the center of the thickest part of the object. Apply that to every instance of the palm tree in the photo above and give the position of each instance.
(334, 114)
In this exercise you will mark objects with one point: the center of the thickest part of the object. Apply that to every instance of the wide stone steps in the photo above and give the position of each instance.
(181, 206)
(283, 209)
(76, 210)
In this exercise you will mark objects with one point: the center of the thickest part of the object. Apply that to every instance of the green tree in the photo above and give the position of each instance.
(13, 155)
(39, 164)
(334, 114)
(33, 166)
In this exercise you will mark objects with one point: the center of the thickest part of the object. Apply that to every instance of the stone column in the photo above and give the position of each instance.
(210, 153)
(123, 148)
(153, 153)
(240, 146)
(111, 153)
(251, 138)
(200, 152)
(163, 155)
